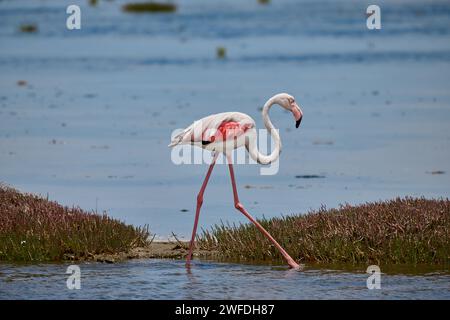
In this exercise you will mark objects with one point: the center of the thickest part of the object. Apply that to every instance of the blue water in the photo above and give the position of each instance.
(91, 126)
(166, 279)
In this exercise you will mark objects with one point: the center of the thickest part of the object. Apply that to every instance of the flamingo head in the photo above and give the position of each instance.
(288, 102)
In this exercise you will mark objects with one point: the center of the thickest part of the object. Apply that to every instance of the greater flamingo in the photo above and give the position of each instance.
(223, 132)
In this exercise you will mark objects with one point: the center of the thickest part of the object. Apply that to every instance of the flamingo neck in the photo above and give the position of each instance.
(253, 149)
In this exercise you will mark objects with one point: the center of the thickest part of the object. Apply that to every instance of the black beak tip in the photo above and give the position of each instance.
(297, 123)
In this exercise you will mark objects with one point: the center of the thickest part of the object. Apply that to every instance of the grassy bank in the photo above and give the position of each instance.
(35, 229)
(401, 231)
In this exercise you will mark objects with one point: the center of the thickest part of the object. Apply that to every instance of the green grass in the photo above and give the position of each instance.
(150, 7)
(35, 229)
(400, 231)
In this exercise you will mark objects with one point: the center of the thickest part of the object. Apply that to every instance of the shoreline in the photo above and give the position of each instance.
(409, 231)
(167, 250)
(155, 250)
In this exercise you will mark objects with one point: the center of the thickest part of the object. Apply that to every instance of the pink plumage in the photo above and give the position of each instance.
(224, 132)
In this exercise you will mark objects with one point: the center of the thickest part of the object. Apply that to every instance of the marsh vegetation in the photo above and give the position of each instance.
(400, 231)
(35, 229)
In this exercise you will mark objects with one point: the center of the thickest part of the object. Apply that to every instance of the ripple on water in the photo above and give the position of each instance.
(169, 279)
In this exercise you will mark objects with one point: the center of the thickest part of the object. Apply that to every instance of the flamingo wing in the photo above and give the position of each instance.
(214, 128)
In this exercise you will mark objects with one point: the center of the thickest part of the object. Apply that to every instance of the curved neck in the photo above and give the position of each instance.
(253, 148)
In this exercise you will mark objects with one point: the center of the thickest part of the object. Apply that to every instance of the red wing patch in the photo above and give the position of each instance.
(225, 132)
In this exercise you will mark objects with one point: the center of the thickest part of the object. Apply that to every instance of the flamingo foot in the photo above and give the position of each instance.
(293, 265)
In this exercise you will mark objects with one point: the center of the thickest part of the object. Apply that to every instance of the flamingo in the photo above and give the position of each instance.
(224, 132)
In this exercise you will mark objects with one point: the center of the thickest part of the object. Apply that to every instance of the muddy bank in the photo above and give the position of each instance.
(164, 250)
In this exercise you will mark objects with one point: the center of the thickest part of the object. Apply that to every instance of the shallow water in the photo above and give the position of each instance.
(91, 128)
(169, 279)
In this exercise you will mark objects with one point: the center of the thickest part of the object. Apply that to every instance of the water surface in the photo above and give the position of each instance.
(91, 128)
(169, 279)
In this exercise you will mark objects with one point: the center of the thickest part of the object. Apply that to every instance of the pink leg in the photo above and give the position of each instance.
(241, 208)
(199, 205)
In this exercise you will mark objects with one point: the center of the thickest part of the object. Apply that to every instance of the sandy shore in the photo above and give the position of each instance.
(166, 250)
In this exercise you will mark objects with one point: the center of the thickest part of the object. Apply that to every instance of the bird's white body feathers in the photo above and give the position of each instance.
(224, 132)
(202, 130)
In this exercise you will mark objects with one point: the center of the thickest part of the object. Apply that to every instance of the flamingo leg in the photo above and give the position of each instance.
(199, 205)
(241, 208)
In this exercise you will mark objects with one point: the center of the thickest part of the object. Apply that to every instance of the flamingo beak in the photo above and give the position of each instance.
(298, 114)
